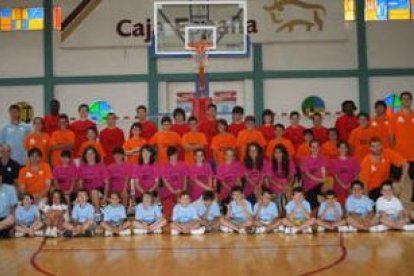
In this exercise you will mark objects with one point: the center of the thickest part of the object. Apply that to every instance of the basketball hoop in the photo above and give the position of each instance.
(200, 57)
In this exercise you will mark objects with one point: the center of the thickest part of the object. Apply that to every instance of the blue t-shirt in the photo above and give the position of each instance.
(361, 206)
(14, 136)
(149, 215)
(183, 214)
(291, 207)
(114, 214)
(330, 213)
(83, 213)
(266, 213)
(27, 216)
(8, 199)
(237, 212)
(210, 213)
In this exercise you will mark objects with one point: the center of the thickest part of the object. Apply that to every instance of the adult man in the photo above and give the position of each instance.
(8, 201)
(9, 167)
(148, 127)
(51, 121)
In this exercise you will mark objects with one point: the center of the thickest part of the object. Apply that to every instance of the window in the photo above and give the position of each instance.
(27, 19)
(382, 10)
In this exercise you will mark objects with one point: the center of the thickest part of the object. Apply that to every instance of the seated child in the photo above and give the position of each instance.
(359, 209)
(28, 221)
(83, 217)
(298, 214)
(185, 219)
(239, 213)
(330, 215)
(56, 213)
(148, 216)
(208, 211)
(266, 214)
(390, 211)
(115, 217)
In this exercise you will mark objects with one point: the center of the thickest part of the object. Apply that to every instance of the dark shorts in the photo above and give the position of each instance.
(5, 233)
(396, 172)
(312, 196)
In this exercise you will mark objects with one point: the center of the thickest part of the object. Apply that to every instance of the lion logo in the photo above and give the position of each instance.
(313, 22)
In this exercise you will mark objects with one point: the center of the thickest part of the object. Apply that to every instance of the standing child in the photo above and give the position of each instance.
(56, 212)
(208, 211)
(222, 141)
(254, 171)
(329, 149)
(132, 146)
(239, 215)
(66, 175)
(193, 140)
(163, 139)
(267, 128)
(38, 139)
(115, 218)
(200, 176)
(330, 215)
(298, 214)
(148, 216)
(294, 132)
(92, 136)
(111, 137)
(228, 175)
(266, 214)
(83, 213)
(303, 150)
(185, 219)
(119, 174)
(28, 221)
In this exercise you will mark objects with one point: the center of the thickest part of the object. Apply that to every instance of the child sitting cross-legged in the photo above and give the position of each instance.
(115, 217)
(266, 214)
(298, 214)
(28, 221)
(56, 213)
(185, 219)
(330, 215)
(208, 211)
(148, 216)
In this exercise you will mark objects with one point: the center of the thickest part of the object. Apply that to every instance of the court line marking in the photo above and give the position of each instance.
(33, 259)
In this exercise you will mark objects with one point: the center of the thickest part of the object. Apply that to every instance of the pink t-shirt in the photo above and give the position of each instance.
(345, 169)
(146, 174)
(279, 176)
(255, 175)
(93, 176)
(65, 176)
(175, 175)
(118, 175)
(201, 173)
(228, 173)
(312, 165)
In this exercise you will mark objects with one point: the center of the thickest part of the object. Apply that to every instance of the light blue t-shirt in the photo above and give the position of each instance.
(150, 214)
(8, 199)
(27, 216)
(330, 213)
(291, 207)
(237, 213)
(114, 214)
(83, 213)
(210, 213)
(266, 213)
(361, 206)
(14, 136)
(183, 214)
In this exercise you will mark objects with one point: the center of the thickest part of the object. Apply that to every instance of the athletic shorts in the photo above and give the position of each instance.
(396, 172)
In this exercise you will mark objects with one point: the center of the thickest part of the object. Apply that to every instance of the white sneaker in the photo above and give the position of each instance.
(352, 229)
(157, 231)
(175, 232)
(225, 229)
(408, 227)
(288, 230)
(18, 235)
(242, 231)
(378, 228)
(260, 230)
(48, 232)
(293, 230)
(125, 233)
(140, 231)
(108, 234)
(39, 233)
(199, 231)
(53, 233)
(280, 229)
(343, 229)
(307, 230)
(320, 229)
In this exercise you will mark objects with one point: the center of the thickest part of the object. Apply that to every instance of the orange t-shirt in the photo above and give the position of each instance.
(302, 152)
(279, 141)
(246, 137)
(34, 182)
(131, 144)
(60, 137)
(40, 141)
(192, 138)
(381, 127)
(374, 172)
(359, 141)
(402, 128)
(93, 144)
(220, 143)
(329, 150)
(163, 140)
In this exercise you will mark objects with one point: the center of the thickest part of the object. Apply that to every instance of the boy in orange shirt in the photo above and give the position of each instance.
(222, 141)
(381, 123)
(279, 140)
(329, 149)
(360, 137)
(375, 168)
(165, 138)
(193, 141)
(92, 135)
(62, 139)
(38, 139)
(304, 149)
(249, 135)
(133, 145)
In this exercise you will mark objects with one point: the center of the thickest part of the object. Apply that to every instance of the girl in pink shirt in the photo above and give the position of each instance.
(66, 175)
(228, 175)
(145, 174)
(174, 180)
(200, 176)
(119, 174)
(254, 171)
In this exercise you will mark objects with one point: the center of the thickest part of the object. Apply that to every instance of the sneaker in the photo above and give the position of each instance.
(199, 231)
(225, 229)
(307, 230)
(67, 234)
(343, 229)
(288, 230)
(260, 230)
(53, 232)
(281, 229)
(293, 230)
(48, 232)
(352, 229)
(408, 227)
(242, 231)
(320, 229)
(108, 234)
(39, 233)
(125, 233)
(157, 231)
(89, 233)
(18, 235)
(378, 228)
(140, 231)
(175, 232)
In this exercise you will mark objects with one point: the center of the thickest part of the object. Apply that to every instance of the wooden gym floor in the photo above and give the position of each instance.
(213, 254)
